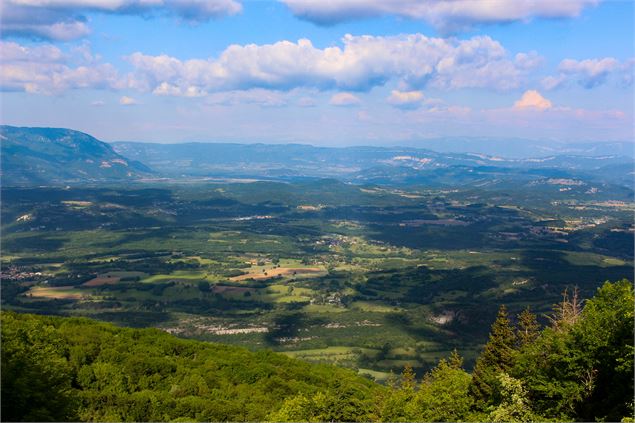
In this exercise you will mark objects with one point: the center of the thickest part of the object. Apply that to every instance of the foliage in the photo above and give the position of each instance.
(36, 377)
(514, 406)
(584, 369)
(497, 357)
(75, 369)
(68, 369)
(343, 403)
(443, 395)
(528, 328)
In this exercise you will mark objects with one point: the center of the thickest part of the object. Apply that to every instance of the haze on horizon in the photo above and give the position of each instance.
(344, 72)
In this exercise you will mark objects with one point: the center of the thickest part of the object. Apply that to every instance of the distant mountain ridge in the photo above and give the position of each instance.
(33, 156)
(519, 148)
(383, 165)
(54, 156)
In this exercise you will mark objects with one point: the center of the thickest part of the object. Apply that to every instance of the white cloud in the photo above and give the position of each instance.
(362, 63)
(406, 99)
(590, 73)
(97, 103)
(66, 19)
(47, 70)
(345, 99)
(446, 15)
(529, 61)
(127, 101)
(532, 99)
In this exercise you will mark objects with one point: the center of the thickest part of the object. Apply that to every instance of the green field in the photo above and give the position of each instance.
(368, 280)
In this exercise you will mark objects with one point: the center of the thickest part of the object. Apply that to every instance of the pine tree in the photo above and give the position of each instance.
(528, 327)
(497, 357)
(443, 394)
(408, 378)
(455, 361)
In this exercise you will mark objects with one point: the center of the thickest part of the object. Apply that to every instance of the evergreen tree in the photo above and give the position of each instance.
(394, 405)
(528, 328)
(443, 395)
(497, 357)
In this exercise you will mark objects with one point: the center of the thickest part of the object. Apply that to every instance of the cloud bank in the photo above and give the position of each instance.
(590, 73)
(48, 70)
(363, 62)
(67, 19)
(445, 15)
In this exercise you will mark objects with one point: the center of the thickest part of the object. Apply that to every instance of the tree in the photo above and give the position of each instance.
(443, 395)
(343, 403)
(394, 405)
(497, 357)
(604, 335)
(36, 378)
(514, 406)
(528, 328)
(582, 366)
(567, 312)
(203, 286)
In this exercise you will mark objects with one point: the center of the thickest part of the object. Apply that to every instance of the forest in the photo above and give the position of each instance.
(577, 367)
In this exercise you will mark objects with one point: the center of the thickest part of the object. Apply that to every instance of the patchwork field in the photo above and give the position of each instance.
(372, 278)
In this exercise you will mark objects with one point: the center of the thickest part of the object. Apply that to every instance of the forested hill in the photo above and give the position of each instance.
(49, 156)
(78, 369)
(579, 368)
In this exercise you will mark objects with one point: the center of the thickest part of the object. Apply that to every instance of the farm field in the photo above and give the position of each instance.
(365, 277)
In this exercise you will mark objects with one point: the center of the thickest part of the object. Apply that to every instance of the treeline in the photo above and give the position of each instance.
(578, 368)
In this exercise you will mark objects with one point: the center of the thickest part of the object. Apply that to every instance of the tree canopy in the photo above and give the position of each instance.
(578, 368)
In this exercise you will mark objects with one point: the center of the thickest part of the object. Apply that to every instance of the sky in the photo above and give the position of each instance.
(324, 72)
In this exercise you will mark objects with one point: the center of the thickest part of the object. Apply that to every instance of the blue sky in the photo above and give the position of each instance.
(330, 73)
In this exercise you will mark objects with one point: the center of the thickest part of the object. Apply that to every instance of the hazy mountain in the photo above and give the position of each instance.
(41, 156)
(361, 164)
(519, 148)
(33, 156)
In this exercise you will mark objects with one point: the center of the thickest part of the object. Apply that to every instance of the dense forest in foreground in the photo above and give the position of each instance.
(579, 367)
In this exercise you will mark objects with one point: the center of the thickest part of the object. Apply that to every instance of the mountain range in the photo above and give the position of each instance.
(44, 156)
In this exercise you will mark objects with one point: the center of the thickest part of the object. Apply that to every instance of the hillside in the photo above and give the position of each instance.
(45, 156)
(579, 368)
(78, 369)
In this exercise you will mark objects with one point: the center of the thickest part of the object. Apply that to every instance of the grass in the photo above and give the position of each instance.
(179, 275)
(60, 292)
(374, 307)
(380, 377)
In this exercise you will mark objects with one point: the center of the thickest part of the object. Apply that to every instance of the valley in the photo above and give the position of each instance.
(365, 276)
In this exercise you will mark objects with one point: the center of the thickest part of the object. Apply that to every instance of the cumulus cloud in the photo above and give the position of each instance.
(67, 19)
(345, 99)
(362, 63)
(127, 101)
(406, 99)
(47, 70)
(445, 15)
(411, 61)
(532, 99)
(590, 73)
